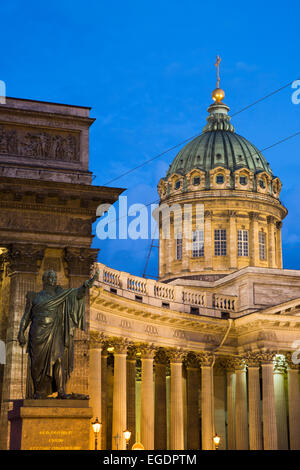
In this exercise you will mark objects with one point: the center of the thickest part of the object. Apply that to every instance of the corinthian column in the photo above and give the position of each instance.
(95, 378)
(193, 383)
(271, 242)
(207, 400)
(147, 398)
(230, 389)
(119, 396)
(208, 241)
(131, 402)
(232, 239)
(241, 418)
(255, 425)
(160, 415)
(293, 402)
(269, 411)
(176, 411)
(280, 402)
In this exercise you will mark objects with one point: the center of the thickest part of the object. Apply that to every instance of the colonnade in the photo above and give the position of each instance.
(259, 412)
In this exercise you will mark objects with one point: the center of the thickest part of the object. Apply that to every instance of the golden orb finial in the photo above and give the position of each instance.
(218, 94)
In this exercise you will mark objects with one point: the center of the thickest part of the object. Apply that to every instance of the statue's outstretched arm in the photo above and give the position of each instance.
(87, 285)
(25, 319)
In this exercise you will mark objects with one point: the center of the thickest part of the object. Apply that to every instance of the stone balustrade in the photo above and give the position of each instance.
(228, 303)
(160, 294)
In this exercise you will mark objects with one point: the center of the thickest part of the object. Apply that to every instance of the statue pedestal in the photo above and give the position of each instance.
(50, 425)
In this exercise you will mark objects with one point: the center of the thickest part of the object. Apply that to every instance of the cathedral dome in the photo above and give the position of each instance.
(219, 159)
(219, 146)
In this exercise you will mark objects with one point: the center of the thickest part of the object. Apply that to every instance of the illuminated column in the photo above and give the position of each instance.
(160, 416)
(119, 396)
(176, 411)
(147, 398)
(254, 247)
(230, 391)
(95, 380)
(241, 418)
(269, 411)
(232, 240)
(271, 242)
(207, 400)
(293, 402)
(104, 387)
(131, 375)
(279, 245)
(255, 425)
(208, 240)
(280, 402)
(193, 383)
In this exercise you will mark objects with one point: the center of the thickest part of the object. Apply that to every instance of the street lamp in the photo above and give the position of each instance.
(216, 440)
(96, 428)
(127, 436)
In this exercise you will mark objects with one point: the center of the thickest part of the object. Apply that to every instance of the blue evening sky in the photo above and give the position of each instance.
(147, 70)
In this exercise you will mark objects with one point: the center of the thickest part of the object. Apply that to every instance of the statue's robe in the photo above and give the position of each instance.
(51, 335)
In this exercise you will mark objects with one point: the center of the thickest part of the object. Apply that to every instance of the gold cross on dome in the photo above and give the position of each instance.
(217, 65)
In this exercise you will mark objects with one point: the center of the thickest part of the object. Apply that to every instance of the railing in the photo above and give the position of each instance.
(225, 302)
(111, 277)
(194, 298)
(136, 285)
(180, 296)
(163, 292)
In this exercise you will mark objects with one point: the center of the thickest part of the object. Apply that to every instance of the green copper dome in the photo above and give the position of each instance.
(219, 146)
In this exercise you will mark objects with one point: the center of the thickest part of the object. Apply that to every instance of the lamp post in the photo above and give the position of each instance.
(216, 440)
(127, 436)
(96, 428)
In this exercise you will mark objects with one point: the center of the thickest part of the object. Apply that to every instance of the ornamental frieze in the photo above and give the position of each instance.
(14, 220)
(40, 144)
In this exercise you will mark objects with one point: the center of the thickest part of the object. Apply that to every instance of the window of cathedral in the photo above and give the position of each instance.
(243, 243)
(198, 244)
(179, 246)
(262, 183)
(194, 310)
(243, 180)
(196, 180)
(262, 245)
(220, 242)
(177, 184)
(220, 179)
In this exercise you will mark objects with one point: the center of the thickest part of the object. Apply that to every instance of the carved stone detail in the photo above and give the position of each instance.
(120, 345)
(176, 355)
(252, 359)
(206, 359)
(148, 351)
(97, 339)
(25, 258)
(80, 260)
(267, 357)
(280, 364)
(290, 360)
(191, 361)
(39, 144)
(161, 357)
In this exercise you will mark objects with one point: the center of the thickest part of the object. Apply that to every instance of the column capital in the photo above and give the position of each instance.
(120, 345)
(131, 353)
(148, 351)
(270, 219)
(24, 257)
(206, 359)
(80, 260)
(176, 356)
(290, 360)
(97, 340)
(232, 213)
(279, 224)
(254, 215)
(208, 213)
(161, 357)
(252, 359)
(191, 361)
(267, 357)
(280, 364)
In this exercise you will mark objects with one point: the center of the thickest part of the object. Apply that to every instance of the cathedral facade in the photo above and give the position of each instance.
(211, 348)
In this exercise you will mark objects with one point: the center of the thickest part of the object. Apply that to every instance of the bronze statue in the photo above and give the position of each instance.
(53, 315)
